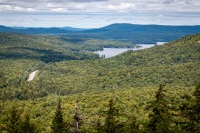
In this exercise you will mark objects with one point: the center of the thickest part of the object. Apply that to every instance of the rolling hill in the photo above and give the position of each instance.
(175, 63)
(130, 79)
(144, 33)
(44, 48)
(137, 34)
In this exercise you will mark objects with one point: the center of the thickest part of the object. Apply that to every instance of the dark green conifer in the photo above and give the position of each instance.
(58, 125)
(26, 126)
(160, 117)
(134, 126)
(98, 127)
(195, 116)
(12, 121)
(192, 113)
(111, 124)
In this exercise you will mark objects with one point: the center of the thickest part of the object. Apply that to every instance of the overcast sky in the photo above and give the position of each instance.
(98, 13)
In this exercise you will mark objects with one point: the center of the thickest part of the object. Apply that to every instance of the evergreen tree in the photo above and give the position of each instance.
(12, 121)
(192, 113)
(160, 117)
(133, 125)
(111, 124)
(98, 127)
(195, 115)
(58, 125)
(26, 126)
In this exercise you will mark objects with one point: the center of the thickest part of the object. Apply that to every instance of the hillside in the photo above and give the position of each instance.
(175, 63)
(31, 52)
(44, 48)
(143, 33)
(130, 79)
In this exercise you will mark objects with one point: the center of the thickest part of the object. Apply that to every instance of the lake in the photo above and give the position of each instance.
(110, 52)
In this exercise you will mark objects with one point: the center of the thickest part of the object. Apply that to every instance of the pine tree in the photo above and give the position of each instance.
(195, 116)
(58, 125)
(26, 126)
(160, 117)
(12, 121)
(111, 124)
(98, 127)
(192, 113)
(134, 127)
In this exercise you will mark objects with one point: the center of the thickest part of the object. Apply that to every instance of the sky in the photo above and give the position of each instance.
(98, 13)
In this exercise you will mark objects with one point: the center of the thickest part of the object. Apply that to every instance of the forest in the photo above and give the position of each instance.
(150, 90)
(124, 32)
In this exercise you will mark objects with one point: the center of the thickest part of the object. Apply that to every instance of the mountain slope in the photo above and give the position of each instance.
(176, 63)
(186, 49)
(44, 48)
(131, 79)
(144, 33)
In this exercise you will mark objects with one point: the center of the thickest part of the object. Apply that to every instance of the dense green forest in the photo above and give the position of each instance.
(53, 48)
(150, 90)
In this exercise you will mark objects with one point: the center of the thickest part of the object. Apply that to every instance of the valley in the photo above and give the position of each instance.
(71, 74)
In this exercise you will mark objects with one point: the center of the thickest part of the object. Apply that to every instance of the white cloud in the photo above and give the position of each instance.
(101, 6)
(59, 10)
(131, 11)
(21, 9)
(5, 7)
(80, 6)
(121, 6)
(16, 8)
(30, 10)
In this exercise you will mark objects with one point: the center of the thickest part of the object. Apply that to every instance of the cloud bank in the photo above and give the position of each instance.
(147, 11)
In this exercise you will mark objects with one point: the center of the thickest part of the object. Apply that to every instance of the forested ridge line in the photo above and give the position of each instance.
(148, 34)
(175, 63)
(128, 83)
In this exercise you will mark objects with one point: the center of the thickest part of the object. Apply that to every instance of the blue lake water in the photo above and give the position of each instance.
(110, 52)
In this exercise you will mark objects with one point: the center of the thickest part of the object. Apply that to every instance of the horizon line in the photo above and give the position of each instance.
(13, 26)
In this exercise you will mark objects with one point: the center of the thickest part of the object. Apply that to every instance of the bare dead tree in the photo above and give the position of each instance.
(77, 118)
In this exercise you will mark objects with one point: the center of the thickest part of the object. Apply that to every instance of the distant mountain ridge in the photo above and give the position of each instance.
(52, 30)
(121, 31)
(143, 33)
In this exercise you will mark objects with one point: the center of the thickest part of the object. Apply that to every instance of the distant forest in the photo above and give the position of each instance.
(155, 90)
(137, 34)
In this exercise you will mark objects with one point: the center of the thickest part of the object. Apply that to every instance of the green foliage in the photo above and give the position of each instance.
(26, 126)
(93, 105)
(129, 78)
(195, 116)
(142, 68)
(160, 118)
(58, 124)
(191, 112)
(12, 121)
(52, 48)
(133, 125)
(111, 125)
